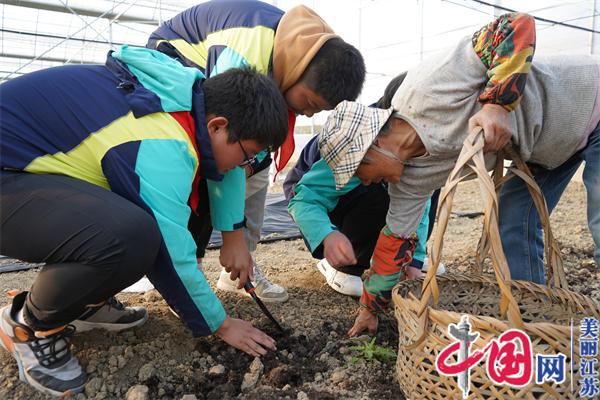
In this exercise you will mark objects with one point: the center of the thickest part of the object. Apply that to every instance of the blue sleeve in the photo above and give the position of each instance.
(163, 188)
(422, 230)
(227, 199)
(315, 196)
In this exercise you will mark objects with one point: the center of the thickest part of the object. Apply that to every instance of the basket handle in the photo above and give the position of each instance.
(471, 157)
(554, 264)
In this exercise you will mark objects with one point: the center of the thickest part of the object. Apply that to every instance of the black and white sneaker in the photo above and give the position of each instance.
(112, 315)
(44, 358)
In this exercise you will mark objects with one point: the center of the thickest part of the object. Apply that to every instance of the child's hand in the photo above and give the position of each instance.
(338, 250)
(364, 320)
(235, 257)
(243, 336)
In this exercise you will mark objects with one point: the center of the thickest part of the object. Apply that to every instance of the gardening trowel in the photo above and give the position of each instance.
(249, 288)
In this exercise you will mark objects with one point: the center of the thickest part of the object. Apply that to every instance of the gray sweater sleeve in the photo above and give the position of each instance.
(406, 210)
(421, 176)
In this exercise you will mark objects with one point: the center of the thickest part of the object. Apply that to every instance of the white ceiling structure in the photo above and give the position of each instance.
(393, 35)
(37, 34)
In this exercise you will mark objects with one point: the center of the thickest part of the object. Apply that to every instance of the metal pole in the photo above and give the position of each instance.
(422, 12)
(66, 5)
(109, 24)
(594, 40)
(360, 49)
(62, 41)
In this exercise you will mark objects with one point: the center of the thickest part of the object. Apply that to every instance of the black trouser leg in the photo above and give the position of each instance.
(433, 211)
(93, 241)
(200, 224)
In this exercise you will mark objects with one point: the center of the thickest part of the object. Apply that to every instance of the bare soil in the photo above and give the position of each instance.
(314, 358)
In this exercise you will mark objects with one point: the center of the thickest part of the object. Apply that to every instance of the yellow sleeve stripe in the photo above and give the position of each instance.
(84, 161)
(248, 42)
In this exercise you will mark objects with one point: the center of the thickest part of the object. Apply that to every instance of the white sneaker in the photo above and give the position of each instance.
(265, 290)
(441, 267)
(350, 285)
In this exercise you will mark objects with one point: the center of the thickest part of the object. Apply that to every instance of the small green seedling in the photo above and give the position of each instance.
(371, 351)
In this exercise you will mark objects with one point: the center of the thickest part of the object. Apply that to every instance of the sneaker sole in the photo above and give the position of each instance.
(8, 344)
(84, 326)
(273, 301)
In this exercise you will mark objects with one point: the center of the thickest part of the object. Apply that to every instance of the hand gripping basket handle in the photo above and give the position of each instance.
(471, 157)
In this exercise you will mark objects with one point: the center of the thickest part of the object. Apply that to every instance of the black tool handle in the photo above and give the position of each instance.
(249, 288)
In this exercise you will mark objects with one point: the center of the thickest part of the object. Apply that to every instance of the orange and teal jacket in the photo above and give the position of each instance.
(213, 37)
(506, 47)
(135, 126)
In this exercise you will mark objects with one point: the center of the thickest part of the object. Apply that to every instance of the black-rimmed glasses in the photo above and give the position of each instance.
(247, 159)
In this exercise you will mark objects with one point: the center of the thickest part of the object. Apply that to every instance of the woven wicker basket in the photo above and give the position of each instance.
(425, 308)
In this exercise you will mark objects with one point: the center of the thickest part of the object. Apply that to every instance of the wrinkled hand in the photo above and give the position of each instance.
(494, 121)
(364, 320)
(243, 336)
(235, 257)
(338, 250)
(413, 273)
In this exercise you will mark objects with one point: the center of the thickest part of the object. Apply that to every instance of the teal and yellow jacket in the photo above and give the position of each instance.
(214, 37)
(218, 35)
(135, 126)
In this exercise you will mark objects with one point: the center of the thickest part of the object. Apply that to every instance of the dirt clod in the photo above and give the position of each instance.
(146, 372)
(314, 360)
(137, 392)
(217, 370)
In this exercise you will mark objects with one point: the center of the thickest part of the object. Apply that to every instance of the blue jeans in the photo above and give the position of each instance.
(520, 227)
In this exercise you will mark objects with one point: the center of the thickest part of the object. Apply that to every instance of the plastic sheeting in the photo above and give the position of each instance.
(278, 225)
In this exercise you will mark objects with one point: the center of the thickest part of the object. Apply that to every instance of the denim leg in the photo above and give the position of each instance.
(520, 227)
(591, 180)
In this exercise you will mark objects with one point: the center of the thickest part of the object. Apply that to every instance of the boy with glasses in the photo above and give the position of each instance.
(99, 172)
(314, 70)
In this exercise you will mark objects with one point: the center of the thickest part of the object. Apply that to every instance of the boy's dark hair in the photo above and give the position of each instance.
(251, 102)
(386, 100)
(336, 72)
